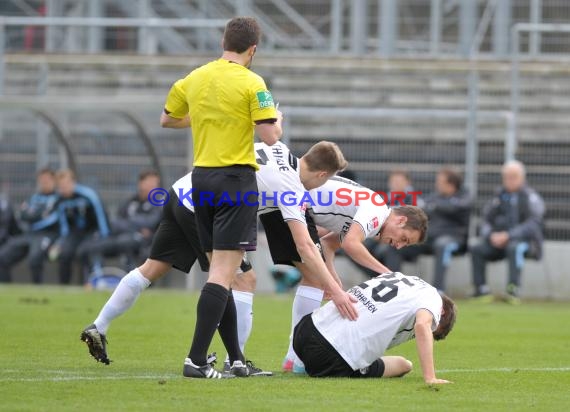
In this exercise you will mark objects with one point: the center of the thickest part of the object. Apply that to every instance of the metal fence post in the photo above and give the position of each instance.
(501, 24)
(387, 27)
(535, 18)
(515, 84)
(435, 27)
(358, 23)
(336, 26)
(2, 52)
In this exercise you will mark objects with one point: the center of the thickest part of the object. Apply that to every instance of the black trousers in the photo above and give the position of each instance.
(33, 245)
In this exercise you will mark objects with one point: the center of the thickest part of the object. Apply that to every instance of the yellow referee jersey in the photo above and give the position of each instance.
(224, 100)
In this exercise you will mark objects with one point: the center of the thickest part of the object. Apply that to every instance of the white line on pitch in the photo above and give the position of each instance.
(88, 378)
(563, 369)
(172, 376)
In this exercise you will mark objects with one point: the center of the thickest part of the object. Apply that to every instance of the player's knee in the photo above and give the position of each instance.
(404, 366)
(407, 365)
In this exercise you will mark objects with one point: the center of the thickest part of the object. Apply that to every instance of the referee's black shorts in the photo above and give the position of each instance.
(321, 359)
(225, 203)
(176, 239)
(280, 240)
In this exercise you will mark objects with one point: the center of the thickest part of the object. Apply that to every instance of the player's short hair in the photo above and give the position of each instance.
(241, 33)
(325, 157)
(148, 173)
(400, 172)
(46, 171)
(452, 176)
(447, 318)
(63, 173)
(417, 219)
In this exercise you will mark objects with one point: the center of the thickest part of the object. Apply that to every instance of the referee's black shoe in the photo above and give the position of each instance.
(252, 369)
(97, 343)
(204, 372)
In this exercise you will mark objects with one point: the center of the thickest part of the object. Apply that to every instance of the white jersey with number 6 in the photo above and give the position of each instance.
(279, 182)
(387, 307)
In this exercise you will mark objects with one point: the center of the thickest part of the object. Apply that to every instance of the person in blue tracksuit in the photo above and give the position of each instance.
(81, 217)
(40, 222)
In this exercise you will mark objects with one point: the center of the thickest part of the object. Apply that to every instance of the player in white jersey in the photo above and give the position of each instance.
(393, 308)
(283, 182)
(336, 205)
(341, 202)
(176, 242)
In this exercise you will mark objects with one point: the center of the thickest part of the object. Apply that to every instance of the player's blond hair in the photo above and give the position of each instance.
(325, 157)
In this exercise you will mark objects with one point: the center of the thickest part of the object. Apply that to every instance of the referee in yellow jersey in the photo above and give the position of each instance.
(224, 103)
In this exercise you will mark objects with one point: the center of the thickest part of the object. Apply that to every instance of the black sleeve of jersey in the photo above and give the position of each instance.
(269, 121)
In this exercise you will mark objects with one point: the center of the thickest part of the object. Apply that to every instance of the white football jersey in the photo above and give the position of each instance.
(387, 307)
(279, 182)
(182, 187)
(340, 202)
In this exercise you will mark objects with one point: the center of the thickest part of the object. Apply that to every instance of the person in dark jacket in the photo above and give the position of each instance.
(8, 223)
(39, 217)
(81, 217)
(448, 209)
(132, 230)
(512, 228)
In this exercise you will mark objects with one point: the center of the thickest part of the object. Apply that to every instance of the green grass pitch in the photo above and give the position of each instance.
(499, 357)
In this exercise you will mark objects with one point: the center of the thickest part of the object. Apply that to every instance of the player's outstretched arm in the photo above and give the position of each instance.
(313, 260)
(355, 249)
(331, 243)
(424, 346)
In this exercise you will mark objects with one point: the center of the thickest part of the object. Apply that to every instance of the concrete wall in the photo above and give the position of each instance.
(546, 279)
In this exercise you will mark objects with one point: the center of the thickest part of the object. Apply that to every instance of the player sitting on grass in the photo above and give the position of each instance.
(393, 308)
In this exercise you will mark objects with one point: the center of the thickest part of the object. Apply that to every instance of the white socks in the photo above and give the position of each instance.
(307, 299)
(244, 311)
(124, 296)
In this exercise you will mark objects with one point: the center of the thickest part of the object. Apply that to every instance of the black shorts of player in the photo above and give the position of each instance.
(225, 204)
(280, 240)
(176, 239)
(321, 359)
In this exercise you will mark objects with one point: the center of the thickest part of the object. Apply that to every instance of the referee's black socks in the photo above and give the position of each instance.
(215, 307)
(229, 332)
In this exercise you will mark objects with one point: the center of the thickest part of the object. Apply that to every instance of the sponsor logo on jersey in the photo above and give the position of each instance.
(373, 224)
(265, 99)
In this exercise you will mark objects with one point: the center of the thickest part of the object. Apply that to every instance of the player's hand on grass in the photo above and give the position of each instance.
(345, 303)
(436, 381)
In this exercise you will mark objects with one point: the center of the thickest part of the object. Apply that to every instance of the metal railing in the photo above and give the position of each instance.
(534, 48)
(95, 22)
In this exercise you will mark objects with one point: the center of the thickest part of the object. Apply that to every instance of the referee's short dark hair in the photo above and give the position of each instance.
(325, 157)
(241, 33)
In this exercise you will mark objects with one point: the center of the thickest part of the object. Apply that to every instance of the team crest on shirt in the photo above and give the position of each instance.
(373, 224)
(265, 99)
